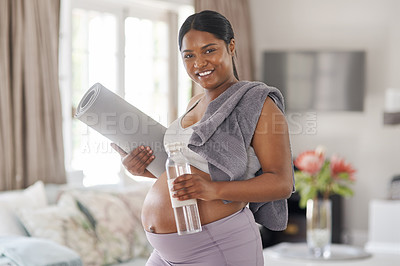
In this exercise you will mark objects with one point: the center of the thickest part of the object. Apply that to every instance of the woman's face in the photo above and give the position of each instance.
(207, 59)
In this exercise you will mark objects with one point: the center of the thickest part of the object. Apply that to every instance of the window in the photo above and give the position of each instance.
(146, 61)
(129, 49)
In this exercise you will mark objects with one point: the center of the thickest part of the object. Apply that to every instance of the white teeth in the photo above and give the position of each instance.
(205, 73)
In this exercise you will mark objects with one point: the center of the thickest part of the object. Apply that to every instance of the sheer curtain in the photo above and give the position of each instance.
(30, 108)
(237, 12)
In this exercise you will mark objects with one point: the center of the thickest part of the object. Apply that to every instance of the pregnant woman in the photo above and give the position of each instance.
(237, 143)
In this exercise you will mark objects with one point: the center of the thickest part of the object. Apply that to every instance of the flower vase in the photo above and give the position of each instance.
(319, 227)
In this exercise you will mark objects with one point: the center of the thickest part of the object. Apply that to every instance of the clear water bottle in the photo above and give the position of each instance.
(186, 212)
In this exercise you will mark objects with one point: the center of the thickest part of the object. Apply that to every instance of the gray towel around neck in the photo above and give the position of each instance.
(224, 134)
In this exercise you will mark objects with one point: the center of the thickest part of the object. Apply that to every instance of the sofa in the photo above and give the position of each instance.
(68, 225)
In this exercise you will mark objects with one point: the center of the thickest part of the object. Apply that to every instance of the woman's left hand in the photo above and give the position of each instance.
(194, 186)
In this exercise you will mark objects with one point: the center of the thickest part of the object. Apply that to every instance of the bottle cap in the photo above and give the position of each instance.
(173, 146)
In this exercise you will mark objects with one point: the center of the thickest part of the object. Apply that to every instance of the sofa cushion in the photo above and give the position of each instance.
(65, 224)
(33, 197)
(35, 251)
(117, 226)
(104, 227)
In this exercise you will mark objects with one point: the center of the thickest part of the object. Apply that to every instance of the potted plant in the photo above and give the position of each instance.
(317, 178)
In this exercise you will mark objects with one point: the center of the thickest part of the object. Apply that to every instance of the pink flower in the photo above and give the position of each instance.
(310, 161)
(338, 165)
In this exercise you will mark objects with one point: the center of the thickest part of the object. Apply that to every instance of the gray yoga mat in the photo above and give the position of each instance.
(122, 123)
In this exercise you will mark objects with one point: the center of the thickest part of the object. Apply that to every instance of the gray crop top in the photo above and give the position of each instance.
(176, 133)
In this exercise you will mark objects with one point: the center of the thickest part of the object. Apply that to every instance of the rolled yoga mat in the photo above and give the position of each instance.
(122, 123)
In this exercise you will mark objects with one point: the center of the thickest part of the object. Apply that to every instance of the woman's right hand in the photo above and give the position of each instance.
(137, 160)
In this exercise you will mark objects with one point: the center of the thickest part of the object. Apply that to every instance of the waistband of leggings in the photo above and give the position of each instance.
(212, 224)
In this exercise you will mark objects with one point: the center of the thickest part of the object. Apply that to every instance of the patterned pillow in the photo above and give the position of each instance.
(65, 224)
(133, 199)
(119, 230)
(103, 227)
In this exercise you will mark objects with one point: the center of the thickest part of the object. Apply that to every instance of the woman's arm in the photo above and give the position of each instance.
(272, 147)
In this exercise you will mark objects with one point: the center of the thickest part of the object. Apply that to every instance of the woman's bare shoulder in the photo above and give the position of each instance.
(194, 99)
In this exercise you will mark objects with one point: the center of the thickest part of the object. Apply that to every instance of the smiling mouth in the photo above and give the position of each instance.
(205, 73)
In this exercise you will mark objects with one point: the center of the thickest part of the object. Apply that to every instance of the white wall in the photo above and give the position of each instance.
(361, 137)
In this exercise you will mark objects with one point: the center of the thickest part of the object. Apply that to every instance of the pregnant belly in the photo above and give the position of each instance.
(158, 215)
(157, 212)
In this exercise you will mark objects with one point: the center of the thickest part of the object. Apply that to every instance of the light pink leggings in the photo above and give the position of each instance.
(234, 240)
